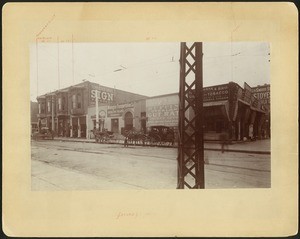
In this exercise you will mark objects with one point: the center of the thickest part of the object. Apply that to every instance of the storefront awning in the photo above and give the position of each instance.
(215, 103)
(223, 103)
(256, 109)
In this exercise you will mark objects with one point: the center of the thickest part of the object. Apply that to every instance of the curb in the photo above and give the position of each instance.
(210, 149)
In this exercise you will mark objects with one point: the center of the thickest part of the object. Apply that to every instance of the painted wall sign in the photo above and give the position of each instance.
(162, 111)
(215, 93)
(105, 95)
(262, 94)
(118, 110)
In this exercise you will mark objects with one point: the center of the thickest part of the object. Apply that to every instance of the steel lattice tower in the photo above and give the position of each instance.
(191, 146)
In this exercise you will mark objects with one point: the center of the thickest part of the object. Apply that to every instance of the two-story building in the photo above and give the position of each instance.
(70, 111)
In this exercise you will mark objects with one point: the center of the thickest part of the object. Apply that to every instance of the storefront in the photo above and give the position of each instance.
(242, 113)
(116, 118)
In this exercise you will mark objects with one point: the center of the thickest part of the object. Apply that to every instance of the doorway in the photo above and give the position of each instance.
(128, 121)
(115, 125)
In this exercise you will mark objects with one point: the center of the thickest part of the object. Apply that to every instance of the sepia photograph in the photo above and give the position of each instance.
(153, 119)
(149, 115)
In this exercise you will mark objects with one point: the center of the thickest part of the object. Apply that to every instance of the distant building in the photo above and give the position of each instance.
(262, 94)
(33, 116)
(240, 112)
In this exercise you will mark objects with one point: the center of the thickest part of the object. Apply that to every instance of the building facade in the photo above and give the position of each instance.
(242, 113)
(33, 116)
(70, 111)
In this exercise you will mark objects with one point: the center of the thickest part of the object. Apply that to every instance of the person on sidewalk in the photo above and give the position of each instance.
(126, 142)
(224, 141)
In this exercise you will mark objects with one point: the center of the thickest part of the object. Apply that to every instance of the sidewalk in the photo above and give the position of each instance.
(257, 147)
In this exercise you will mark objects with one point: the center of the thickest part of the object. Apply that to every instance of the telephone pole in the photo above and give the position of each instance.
(191, 144)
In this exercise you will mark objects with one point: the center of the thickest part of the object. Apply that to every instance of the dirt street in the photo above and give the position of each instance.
(89, 166)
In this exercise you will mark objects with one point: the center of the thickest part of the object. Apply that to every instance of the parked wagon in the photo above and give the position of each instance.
(161, 135)
(44, 133)
(155, 136)
(102, 136)
(135, 137)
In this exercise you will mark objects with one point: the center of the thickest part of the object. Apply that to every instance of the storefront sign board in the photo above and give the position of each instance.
(118, 110)
(162, 110)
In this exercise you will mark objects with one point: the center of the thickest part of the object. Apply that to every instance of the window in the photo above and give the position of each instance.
(74, 101)
(49, 106)
(59, 103)
(63, 103)
(40, 108)
(78, 100)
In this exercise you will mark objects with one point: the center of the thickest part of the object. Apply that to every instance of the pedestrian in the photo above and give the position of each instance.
(126, 142)
(224, 141)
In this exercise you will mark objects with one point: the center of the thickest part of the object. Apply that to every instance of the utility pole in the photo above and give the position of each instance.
(97, 111)
(191, 144)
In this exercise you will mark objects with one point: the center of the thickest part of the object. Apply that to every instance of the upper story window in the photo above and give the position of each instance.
(59, 104)
(74, 101)
(48, 106)
(40, 111)
(79, 99)
(63, 103)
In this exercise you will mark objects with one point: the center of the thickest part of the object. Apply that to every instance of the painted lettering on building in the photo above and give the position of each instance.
(215, 93)
(103, 96)
(162, 110)
(118, 110)
(162, 115)
(262, 94)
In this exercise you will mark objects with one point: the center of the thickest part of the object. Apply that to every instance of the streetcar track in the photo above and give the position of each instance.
(233, 172)
(157, 157)
(232, 166)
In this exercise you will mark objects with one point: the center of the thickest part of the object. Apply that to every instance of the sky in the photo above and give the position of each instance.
(144, 68)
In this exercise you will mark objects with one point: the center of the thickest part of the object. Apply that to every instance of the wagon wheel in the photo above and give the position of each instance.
(143, 139)
(155, 140)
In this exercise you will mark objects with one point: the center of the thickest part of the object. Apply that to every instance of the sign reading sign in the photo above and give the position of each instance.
(103, 95)
(118, 110)
(215, 93)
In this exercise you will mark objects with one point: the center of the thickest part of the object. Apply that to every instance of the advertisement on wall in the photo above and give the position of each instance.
(118, 110)
(104, 94)
(162, 111)
(215, 93)
(262, 94)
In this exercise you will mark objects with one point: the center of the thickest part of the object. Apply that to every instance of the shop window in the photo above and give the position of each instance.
(143, 121)
(219, 126)
(209, 126)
